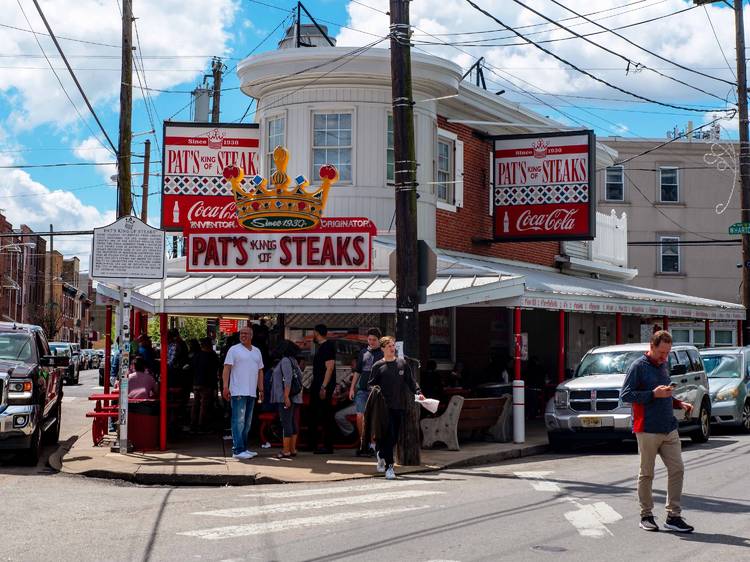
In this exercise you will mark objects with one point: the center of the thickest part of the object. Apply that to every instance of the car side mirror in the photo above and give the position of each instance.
(678, 370)
(54, 361)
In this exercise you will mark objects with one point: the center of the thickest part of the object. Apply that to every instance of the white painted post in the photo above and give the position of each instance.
(519, 412)
(125, 294)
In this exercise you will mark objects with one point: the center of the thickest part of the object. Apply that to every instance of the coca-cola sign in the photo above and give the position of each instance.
(543, 187)
(195, 193)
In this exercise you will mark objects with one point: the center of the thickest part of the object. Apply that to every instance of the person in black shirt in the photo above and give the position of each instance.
(321, 391)
(205, 367)
(398, 387)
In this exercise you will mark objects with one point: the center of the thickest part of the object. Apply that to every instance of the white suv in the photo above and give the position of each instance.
(588, 406)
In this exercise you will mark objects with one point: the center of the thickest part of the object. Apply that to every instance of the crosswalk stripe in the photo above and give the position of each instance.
(68, 398)
(233, 531)
(316, 504)
(336, 489)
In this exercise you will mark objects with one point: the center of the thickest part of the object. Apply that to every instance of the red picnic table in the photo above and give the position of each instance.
(102, 413)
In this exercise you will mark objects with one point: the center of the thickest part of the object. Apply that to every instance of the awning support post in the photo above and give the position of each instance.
(163, 406)
(665, 321)
(740, 342)
(519, 410)
(107, 346)
(708, 332)
(618, 328)
(561, 348)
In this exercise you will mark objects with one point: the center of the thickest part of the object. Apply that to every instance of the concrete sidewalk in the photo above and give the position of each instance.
(207, 460)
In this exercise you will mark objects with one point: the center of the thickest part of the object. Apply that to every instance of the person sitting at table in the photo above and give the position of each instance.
(141, 384)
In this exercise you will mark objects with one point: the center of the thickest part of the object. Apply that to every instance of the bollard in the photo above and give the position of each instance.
(519, 412)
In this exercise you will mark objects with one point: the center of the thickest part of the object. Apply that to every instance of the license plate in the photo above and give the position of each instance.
(591, 421)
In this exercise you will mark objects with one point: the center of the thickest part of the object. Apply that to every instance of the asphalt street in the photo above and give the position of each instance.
(575, 506)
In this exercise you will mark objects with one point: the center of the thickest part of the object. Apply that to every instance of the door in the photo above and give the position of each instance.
(50, 375)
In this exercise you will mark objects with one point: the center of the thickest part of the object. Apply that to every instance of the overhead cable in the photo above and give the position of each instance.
(636, 65)
(586, 73)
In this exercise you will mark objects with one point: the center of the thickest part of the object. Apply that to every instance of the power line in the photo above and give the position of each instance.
(584, 72)
(61, 165)
(146, 96)
(72, 74)
(636, 66)
(652, 53)
(60, 36)
(713, 29)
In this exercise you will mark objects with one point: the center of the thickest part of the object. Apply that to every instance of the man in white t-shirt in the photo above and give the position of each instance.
(243, 379)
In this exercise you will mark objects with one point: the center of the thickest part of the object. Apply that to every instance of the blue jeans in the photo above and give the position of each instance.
(242, 417)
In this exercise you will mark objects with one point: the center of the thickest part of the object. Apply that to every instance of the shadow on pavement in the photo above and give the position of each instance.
(714, 538)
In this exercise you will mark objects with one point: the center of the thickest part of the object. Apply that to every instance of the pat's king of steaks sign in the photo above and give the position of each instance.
(544, 187)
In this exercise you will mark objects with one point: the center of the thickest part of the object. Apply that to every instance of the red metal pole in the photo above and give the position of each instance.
(561, 348)
(163, 406)
(517, 332)
(665, 321)
(708, 333)
(739, 333)
(107, 346)
(618, 328)
(136, 324)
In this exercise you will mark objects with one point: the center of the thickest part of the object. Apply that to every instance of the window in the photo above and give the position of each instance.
(332, 143)
(669, 187)
(390, 159)
(670, 254)
(275, 133)
(614, 185)
(444, 185)
(723, 337)
(695, 358)
(681, 335)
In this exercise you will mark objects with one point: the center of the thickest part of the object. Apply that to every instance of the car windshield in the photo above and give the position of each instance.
(60, 349)
(722, 366)
(612, 363)
(16, 347)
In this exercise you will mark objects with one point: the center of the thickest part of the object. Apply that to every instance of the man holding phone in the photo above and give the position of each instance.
(648, 387)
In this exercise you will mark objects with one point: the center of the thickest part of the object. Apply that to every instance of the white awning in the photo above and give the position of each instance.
(462, 280)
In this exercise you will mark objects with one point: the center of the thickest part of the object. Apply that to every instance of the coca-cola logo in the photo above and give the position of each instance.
(557, 220)
(200, 210)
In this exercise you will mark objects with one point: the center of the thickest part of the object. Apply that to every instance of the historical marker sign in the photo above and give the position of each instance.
(127, 251)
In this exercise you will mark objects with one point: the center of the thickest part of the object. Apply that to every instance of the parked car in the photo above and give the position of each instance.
(76, 347)
(65, 349)
(30, 390)
(589, 406)
(90, 359)
(728, 370)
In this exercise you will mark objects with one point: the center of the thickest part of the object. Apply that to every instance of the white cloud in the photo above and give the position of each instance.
(686, 38)
(26, 201)
(91, 150)
(166, 28)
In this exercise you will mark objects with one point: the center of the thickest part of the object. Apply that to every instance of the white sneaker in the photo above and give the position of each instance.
(251, 454)
(243, 456)
(381, 465)
(390, 474)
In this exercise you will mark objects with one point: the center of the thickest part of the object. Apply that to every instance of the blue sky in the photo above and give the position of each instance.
(39, 126)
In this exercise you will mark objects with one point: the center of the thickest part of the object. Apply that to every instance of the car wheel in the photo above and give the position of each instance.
(30, 456)
(703, 432)
(52, 436)
(556, 443)
(745, 417)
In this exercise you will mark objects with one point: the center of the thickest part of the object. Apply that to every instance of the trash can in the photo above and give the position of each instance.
(143, 423)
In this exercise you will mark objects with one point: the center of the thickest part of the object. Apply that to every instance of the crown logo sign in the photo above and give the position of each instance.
(216, 139)
(281, 206)
(540, 148)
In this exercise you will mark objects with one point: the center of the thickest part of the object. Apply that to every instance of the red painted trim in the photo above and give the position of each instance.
(618, 328)
(163, 383)
(228, 142)
(740, 335)
(665, 321)
(708, 333)
(561, 348)
(553, 151)
(517, 331)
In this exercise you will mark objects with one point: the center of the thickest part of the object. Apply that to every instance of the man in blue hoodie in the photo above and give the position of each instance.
(648, 388)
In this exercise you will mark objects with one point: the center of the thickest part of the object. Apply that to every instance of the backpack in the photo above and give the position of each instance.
(296, 382)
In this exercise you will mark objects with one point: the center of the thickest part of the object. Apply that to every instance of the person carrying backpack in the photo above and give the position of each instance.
(286, 394)
(398, 387)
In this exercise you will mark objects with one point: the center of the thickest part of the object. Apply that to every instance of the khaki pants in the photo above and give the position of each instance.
(668, 447)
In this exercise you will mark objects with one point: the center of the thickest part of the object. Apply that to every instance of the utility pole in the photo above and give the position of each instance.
(405, 174)
(744, 161)
(146, 165)
(217, 68)
(124, 201)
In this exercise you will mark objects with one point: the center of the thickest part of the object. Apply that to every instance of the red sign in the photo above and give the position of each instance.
(544, 187)
(228, 326)
(194, 189)
(338, 244)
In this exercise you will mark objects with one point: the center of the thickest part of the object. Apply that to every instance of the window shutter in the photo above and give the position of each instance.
(458, 190)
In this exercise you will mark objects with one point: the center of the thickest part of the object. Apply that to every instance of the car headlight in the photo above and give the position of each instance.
(728, 394)
(561, 399)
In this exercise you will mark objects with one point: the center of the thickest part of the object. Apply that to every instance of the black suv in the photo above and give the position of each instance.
(30, 390)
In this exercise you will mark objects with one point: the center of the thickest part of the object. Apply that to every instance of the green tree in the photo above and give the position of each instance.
(190, 327)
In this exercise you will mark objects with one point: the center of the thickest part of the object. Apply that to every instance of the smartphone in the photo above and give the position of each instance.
(673, 384)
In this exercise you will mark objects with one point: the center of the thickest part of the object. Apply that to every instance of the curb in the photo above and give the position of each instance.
(254, 479)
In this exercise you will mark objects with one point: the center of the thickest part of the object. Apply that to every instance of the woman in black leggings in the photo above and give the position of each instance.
(287, 405)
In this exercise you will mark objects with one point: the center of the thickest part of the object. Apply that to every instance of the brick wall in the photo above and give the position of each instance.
(456, 230)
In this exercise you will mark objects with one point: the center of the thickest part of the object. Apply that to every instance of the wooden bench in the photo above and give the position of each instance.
(475, 415)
